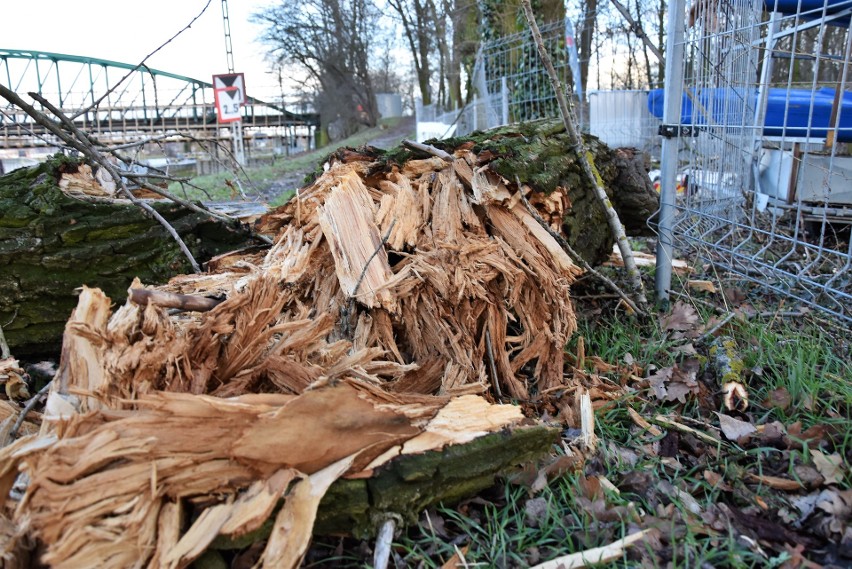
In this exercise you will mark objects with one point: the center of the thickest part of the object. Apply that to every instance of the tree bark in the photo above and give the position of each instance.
(542, 156)
(52, 243)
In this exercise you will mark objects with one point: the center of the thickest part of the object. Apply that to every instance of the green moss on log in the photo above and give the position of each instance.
(51, 244)
(541, 155)
(409, 484)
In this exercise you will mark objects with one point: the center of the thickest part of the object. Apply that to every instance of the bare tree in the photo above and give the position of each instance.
(418, 19)
(330, 41)
(586, 33)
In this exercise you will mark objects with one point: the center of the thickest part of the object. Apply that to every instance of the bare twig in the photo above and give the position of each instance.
(587, 164)
(709, 333)
(143, 297)
(576, 256)
(443, 155)
(5, 352)
(81, 142)
(489, 352)
(636, 28)
(141, 64)
(27, 408)
(382, 552)
(371, 257)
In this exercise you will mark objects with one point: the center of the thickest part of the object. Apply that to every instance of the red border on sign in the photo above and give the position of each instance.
(216, 97)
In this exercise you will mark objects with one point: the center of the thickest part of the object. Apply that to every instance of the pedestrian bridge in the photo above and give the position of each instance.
(119, 103)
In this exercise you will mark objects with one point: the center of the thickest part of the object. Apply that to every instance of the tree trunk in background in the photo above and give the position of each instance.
(465, 17)
(587, 32)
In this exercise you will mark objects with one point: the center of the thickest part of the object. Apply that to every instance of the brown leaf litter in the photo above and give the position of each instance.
(394, 310)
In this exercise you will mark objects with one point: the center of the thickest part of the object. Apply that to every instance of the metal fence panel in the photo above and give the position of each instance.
(762, 145)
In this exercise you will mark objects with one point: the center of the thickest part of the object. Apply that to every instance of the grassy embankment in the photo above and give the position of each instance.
(256, 182)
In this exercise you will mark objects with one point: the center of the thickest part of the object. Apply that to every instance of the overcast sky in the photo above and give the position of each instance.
(125, 31)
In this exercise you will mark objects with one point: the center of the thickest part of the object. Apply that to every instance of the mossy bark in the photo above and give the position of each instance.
(51, 244)
(411, 483)
(541, 155)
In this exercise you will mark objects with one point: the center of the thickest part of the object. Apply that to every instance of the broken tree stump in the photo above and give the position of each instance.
(391, 349)
(540, 154)
(54, 241)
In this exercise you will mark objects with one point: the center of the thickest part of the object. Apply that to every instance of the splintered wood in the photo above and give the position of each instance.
(393, 312)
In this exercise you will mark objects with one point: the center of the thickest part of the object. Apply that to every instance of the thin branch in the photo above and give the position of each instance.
(589, 169)
(5, 352)
(27, 408)
(429, 150)
(376, 252)
(144, 297)
(575, 255)
(382, 552)
(636, 28)
(97, 103)
(492, 367)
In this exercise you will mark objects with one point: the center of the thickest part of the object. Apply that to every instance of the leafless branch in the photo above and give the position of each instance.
(141, 64)
(583, 157)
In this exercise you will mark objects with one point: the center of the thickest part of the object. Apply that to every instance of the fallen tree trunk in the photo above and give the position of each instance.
(541, 155)
(54, 240)
(391, 349)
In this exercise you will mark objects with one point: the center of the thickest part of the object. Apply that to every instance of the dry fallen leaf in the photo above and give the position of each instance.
(675, 383)
(778, 399)
(683, 317)
(717, 481)
(457, 560)
(830, 466)
(701, 286)
(733, 428)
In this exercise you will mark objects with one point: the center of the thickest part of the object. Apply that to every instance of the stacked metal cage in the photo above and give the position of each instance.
(757, 122)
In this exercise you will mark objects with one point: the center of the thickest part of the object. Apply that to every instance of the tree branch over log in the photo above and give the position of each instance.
(585, 160)
(80, 142)
(574, 255)
(144, 297)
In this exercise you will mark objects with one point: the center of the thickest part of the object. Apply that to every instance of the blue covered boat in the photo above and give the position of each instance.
(789, 112)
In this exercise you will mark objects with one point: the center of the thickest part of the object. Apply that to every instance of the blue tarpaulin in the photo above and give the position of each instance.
(789, 112)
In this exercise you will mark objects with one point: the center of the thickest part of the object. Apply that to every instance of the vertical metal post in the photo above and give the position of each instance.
(229, 50)
(504, 92)
(672, 102)
(765, 79)
(237, 142)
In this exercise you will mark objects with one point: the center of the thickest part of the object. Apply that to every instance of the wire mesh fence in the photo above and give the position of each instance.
(509, 82)
(756, 115)
(759, 139)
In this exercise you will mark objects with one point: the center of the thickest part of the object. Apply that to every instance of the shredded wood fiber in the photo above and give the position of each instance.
(391, 312)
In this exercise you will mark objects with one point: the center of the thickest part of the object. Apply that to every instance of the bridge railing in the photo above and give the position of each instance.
(134, 123)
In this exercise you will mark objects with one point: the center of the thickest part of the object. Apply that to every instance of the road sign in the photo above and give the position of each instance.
(230, 93)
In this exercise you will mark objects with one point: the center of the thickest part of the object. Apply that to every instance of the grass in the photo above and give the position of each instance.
(701, 500)
(257, 181)
(692, 499)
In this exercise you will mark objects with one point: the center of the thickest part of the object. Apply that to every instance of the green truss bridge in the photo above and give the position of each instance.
(120, 103)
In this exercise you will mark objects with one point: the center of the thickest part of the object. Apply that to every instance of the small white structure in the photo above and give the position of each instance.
(389, 105)
(622, 118)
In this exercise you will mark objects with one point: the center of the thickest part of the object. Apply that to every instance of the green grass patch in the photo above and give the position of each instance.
(708, 504)
(257, 181)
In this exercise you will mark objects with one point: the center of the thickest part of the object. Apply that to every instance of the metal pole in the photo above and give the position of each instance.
(237, 142)
(504, 92)
(672, 103)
